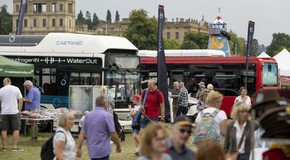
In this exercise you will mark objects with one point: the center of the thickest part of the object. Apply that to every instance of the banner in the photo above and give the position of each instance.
(162, 68)
(251, 29)
(20, 17)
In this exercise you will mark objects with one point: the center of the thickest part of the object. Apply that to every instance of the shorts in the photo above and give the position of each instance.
(12, 121)
(174, 108)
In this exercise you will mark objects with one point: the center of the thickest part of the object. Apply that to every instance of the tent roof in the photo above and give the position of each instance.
(282, 59)
(11, 68)
(264, 55)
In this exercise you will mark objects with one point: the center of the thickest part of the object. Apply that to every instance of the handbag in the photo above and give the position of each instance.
(234, 155)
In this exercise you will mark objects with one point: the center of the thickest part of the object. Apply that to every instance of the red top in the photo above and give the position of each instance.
(152, 103)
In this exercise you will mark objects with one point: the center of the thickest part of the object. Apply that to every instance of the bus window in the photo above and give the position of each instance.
(74, 78)
(270, 74)
(96, 79)
(85, 78)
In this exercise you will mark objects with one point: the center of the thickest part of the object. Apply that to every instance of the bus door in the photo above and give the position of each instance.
(175, 76)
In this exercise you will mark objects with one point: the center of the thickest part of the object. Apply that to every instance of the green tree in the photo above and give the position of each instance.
(95, 21)
(89, 20)
(200, 41)
(109, 17)
(237, 44)
(255, 48)
(80, 18)
(5, 20)
(170, 44)
(142, 30)
(117, 17)
(279, 42)
(189, 45)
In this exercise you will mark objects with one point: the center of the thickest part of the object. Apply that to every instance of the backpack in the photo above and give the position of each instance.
(47, 148)
(206, 128)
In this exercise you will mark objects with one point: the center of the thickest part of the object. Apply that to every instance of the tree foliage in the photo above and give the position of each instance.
(89, 20)
(254, 48)
(142, 30)
(109, 17)
(5, 20)
(96, 21)
(237, 44)
(170, 44)
(279, 42)
(80, 18)
(195, 40)
(117, 17)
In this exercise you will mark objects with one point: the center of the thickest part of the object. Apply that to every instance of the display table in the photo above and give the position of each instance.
(33, 121)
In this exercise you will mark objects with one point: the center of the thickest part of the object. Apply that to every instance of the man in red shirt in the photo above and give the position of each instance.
(154, 105)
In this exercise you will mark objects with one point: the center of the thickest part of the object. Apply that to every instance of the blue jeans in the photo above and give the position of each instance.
(181, 110)
(145, 121)
(103, 158)
(242, 156)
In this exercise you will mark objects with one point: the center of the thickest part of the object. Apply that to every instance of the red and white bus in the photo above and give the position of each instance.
(227, 74)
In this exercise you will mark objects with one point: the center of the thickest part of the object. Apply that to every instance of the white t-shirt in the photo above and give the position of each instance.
(69, 151)
(239, 134)
(247, 101)
(136, 108)
(218, 118)
(9, 96)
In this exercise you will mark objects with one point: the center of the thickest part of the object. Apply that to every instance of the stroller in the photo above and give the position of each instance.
(118, 127)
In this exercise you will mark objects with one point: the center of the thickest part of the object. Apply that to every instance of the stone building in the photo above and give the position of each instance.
(44, 16)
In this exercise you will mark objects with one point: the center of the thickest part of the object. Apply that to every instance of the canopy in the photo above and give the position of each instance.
(282, 59)
(263, 55)
(11, 68)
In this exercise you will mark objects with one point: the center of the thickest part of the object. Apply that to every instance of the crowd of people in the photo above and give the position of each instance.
(211, 131)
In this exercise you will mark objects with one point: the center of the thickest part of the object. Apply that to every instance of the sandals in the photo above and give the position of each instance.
(4, 149)
(17, 149)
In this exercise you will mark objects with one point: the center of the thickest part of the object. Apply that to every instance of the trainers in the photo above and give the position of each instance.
(4, 149)
(17, 149)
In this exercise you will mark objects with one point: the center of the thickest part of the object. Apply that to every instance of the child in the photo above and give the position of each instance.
(136, 101)
(82, 120)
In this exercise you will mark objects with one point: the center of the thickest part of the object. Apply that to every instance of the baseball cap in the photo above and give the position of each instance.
(183, 121)
(136, 97)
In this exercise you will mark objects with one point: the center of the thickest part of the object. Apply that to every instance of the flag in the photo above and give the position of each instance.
(162, 68)
(251, 29)
(20, 17)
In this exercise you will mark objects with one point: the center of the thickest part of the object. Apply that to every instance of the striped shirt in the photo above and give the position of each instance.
(183, 97)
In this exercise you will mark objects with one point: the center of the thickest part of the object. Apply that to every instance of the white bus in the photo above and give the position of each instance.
(64, 59)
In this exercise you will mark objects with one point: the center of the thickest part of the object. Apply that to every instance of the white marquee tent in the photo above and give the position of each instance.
(282, 59)
(263, 55)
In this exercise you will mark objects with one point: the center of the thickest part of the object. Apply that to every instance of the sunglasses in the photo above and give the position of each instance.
(182, 130)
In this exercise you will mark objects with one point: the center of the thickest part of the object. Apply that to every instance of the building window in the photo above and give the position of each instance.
(17, 7)
(185, 33)
(43, 7)
(34, 23)
(60, 22)
(61, 7)
(53, 22)
(176, 35)
(70, 8)
(16, 22)
(69, 23)
(53, 8)
(37, 7)
(168, 35)
(44, 22)
(25, 22)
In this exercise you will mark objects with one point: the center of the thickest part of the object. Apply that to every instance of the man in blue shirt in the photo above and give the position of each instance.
(32, 104)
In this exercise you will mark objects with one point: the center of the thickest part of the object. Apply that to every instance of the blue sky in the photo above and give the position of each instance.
(270, 16)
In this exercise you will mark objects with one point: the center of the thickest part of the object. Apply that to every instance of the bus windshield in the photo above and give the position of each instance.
(117, 61)
(270, 75)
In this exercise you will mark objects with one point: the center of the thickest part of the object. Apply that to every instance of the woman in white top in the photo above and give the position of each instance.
(235, 142)
(243, 97)
(63, 142)
(214, 101)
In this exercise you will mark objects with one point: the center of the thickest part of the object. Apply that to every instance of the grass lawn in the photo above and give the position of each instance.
(32, 149)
